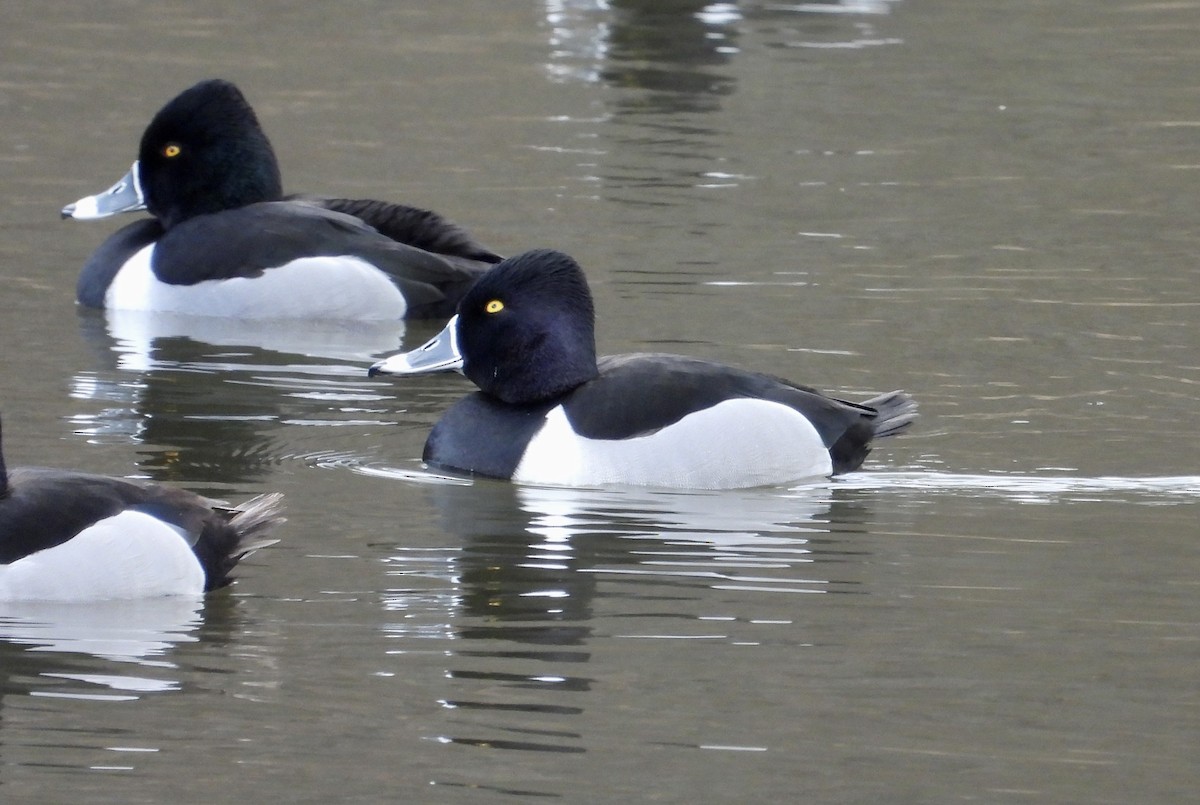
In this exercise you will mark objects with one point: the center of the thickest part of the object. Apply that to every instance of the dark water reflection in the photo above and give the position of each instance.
(138, 632)
(205, 398)
(537, 552)
(536, 566)
(63, 666)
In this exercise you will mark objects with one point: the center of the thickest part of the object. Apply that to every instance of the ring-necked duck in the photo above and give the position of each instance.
(225, 242)
(548, 412)
(72, 536)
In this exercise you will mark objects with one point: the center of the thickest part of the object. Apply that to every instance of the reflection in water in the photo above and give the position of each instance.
(579, 33)
(535, 553)
(116, 653)
(671, 51)
(685, 539)
(205, 395)
(136, 333)
(673, 46)
(842, 24)
(665, 48)
(1022, 488)
(535, 561)
(122, 631)
(528, 596)
(665, 62)
(82, 653)
(668, 64)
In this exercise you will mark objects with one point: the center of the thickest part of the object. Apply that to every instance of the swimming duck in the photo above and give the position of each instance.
(224, 241)
(548, 412)
(73, 536)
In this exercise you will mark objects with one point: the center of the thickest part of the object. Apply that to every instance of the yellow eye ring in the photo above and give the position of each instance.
(494, 306)
(172, 150)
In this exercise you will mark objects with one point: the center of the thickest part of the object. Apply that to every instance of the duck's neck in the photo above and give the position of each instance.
(536, 380)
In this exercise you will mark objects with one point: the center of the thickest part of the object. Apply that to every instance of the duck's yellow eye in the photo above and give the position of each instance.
(171, 150)
(494, 306)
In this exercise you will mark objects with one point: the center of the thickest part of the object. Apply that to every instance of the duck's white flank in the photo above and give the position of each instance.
(311, 287)
(128, 555)
(734, 444)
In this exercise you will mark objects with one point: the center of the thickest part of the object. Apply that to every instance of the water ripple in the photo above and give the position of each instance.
(1027, 488)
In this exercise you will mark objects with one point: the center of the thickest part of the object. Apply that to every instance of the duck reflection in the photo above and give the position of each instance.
(109, 651)
(537, 552)
(676, 50)
(669, 65)
(138, 334)
(135, 631)
(121, 651)
(206, 398)
(537, 563)
(665, 47)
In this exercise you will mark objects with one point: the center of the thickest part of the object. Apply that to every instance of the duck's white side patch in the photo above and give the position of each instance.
(311, 287)
(128, 555)
(734, 444)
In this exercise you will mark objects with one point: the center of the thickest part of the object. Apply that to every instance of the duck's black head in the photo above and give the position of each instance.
(205, 152)
(526, 330)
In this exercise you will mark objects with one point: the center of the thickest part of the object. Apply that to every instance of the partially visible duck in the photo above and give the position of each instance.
(224, 241)
(73, 536)
(549, 412)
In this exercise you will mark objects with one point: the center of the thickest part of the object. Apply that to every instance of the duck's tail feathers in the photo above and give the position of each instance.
(896, 411)
(253, 520)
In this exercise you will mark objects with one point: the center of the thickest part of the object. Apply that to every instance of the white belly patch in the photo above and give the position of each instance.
(128, 555)
(311, 287)
(735, 444)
